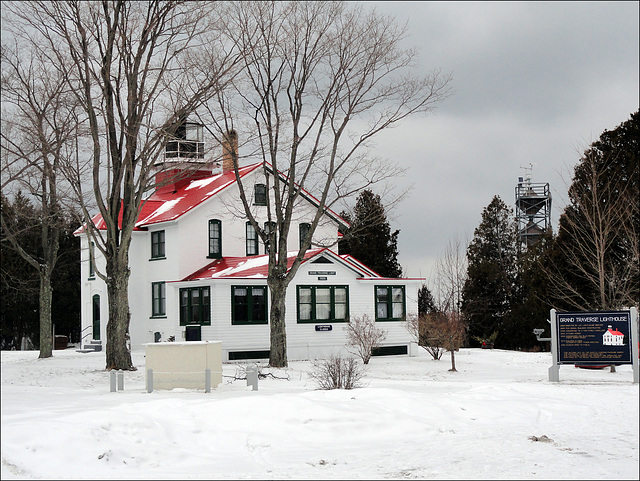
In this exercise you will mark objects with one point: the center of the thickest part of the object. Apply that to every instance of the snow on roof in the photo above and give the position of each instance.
(170, 206)
(191, 195)
(244, 267)
(164, 207)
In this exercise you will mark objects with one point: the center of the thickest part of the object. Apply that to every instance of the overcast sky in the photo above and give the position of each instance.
(534, 83)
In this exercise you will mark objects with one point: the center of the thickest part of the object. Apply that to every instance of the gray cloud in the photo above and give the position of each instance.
(534, 83)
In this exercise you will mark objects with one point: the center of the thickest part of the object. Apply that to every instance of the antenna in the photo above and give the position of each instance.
(530, 171)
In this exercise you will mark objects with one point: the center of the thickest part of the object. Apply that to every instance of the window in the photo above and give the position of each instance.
(215, 238)
(260, 194)
(195, 306)
(92, 253)
(252, 240)
(303, 229)
(157, 245)
(389, 303)
(248, 305)
(159, 300)
(269, 228)
(96, 317)
(323, 303)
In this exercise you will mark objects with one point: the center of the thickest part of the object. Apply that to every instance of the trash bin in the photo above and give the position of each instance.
(60, 342)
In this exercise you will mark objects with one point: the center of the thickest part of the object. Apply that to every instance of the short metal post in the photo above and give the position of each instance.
(554, 370)
(207, 380)
(252, 376)
(112, 381)
(120, 380)
(635, 346)
(149, 380)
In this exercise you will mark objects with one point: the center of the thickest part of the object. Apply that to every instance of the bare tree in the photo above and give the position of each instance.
(447, 323)
(598, 240)
(38, 134)
(134, 74)
(319, 81)
(363, 336)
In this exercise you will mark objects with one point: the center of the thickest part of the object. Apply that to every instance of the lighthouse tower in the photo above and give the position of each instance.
(184, 158)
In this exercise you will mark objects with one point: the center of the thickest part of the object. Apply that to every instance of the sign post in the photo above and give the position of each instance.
(594, 338)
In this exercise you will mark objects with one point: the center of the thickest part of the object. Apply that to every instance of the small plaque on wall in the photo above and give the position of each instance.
(324, 327)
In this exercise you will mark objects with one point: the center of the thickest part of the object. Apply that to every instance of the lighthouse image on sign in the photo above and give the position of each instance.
(612, 337)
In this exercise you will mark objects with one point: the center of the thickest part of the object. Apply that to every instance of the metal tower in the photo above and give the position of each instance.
(533, 209)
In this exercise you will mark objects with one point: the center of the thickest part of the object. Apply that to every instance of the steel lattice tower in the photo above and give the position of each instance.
(533, 209)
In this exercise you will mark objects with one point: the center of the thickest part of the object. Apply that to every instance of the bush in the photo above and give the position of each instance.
(337, 372)
(421, 329)
(363, 336)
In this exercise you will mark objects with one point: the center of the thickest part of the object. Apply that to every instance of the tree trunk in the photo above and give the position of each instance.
(453, 361)
(278, 353)
(118, 349)
(46, 336)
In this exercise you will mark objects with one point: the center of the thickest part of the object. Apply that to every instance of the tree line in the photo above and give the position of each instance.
(590, 263)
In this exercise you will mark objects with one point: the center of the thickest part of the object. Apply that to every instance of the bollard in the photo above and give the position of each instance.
(120, 380)
(149, 380)
(252, 376)
(207, 380)
(112, 381)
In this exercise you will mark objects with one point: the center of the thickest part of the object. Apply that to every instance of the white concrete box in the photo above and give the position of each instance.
(183, 364)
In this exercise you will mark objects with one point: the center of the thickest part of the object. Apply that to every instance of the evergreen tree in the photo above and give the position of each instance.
(19, 286)
(595, 264)
(490, 288)
(426, 302)
(530, 305)
(369, 239)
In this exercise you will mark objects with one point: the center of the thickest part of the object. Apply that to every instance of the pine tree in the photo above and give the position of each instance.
(19, 291)
(426, 302)
(369, 239)
(18, 285)
(596, 263)
(490, 288)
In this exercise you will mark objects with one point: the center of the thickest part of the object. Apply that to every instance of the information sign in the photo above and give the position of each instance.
(324, 327)
(594, 337)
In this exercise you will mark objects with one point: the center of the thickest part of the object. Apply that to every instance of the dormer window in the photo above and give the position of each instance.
(215, 238)
(260, 194)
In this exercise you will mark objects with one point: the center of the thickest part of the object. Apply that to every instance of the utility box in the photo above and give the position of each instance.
(192, 332)
(183, 364)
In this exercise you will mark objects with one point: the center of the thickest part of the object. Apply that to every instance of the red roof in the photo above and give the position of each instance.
(244, 267)
(615, 332)
(171, 205)
(258, 266)
(166, 205)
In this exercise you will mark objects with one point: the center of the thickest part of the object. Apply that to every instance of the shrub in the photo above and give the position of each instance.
(363, 336)
(337, 372)
(421, 329)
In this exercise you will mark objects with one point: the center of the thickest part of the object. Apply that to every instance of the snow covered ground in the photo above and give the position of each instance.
(414, 419)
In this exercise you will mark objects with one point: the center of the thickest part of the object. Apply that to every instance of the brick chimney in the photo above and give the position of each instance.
(229, 151)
